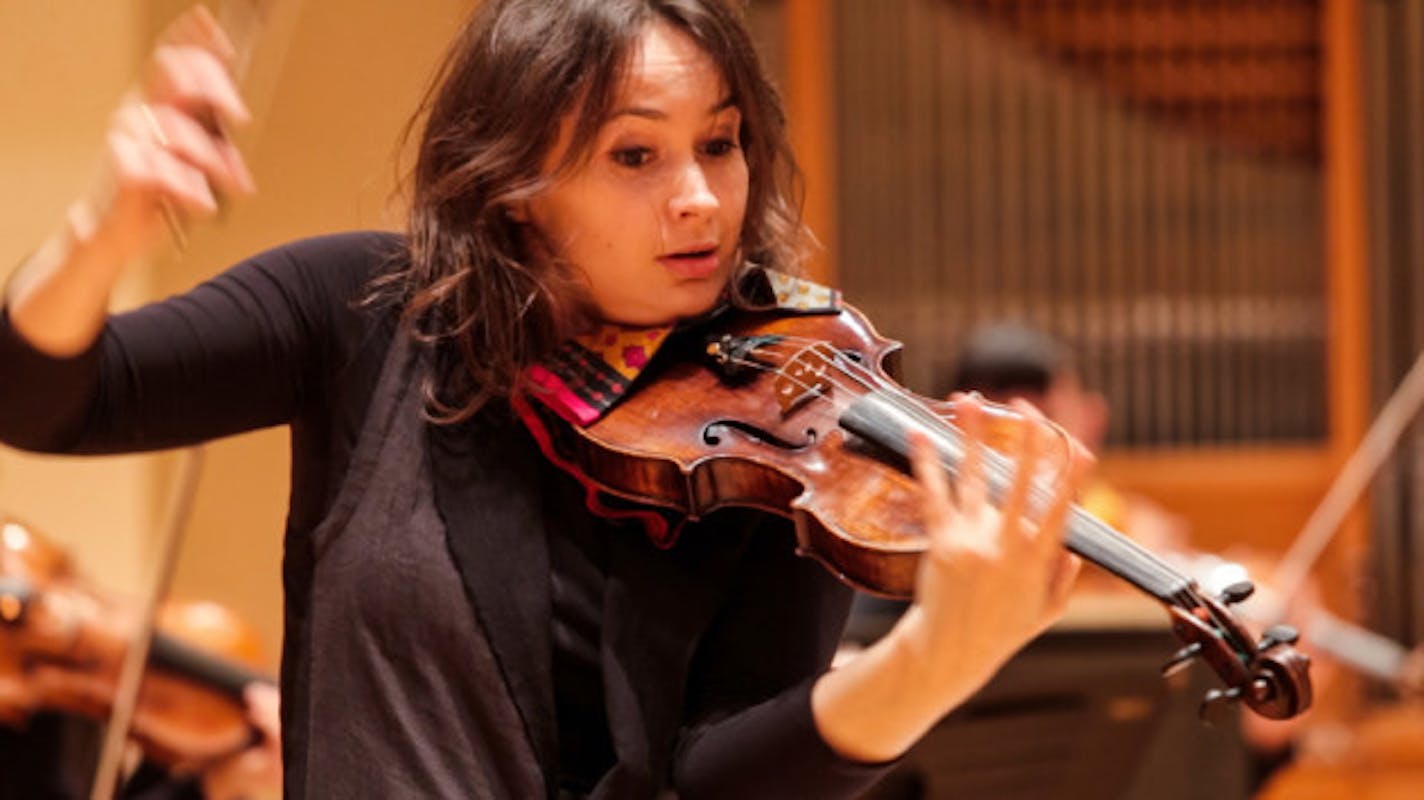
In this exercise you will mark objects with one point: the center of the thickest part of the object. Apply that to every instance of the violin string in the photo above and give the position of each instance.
(1003, 470)
(1000, 467)
(1129, 553)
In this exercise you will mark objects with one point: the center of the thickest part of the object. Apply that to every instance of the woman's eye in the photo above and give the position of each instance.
(632, 156)
(720, 147)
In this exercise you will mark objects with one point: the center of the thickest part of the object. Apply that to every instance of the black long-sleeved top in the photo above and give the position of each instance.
(457, 624)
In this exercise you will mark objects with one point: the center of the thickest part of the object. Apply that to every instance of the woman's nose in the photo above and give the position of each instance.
(692, 194)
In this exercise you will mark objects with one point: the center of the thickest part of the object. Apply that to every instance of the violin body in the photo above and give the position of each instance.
(735, 446)
(798, 415)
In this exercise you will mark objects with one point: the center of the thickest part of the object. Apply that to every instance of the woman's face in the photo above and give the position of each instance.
(652, 217)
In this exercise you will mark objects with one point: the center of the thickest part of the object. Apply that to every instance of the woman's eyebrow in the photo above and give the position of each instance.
(656, 113)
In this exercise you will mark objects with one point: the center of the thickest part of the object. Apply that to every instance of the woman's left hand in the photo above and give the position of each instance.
(992, 578)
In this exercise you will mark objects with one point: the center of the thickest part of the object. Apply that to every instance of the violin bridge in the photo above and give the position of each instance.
(805, 377)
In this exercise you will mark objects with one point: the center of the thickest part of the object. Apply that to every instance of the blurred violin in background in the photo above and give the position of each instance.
(62, 641)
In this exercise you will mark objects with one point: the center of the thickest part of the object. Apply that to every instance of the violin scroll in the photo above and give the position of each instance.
(1269, 676)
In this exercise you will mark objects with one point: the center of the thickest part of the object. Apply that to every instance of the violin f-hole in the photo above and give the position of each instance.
(712, 434)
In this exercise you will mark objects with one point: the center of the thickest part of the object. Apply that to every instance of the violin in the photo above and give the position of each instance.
(798, 415)
(62, 643)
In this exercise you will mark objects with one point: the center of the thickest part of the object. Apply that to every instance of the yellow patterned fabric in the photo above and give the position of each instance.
(625, 350)
(801, 295)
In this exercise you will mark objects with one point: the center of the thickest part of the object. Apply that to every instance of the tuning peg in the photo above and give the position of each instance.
(1277, 634)
(1236, 592)
(1216, 706)
(1180, 658)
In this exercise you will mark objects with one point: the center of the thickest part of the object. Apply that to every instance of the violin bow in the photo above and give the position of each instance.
(247, 22)
(185, 490)
(1351, 482)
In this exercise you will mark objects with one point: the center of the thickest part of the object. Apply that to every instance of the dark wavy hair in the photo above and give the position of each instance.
(518, 68)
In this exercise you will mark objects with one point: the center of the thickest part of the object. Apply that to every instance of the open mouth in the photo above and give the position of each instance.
(693, 263)
(695, 254)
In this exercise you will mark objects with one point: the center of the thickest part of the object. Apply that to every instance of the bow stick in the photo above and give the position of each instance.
(245, 21)
(1351, 481)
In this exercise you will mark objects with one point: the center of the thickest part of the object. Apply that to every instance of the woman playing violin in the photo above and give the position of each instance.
(458, 623)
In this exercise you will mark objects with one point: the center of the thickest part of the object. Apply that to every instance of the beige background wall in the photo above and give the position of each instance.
(333, 82)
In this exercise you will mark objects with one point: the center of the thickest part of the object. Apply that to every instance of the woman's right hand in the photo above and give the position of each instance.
(166, 151)
(166, 161)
